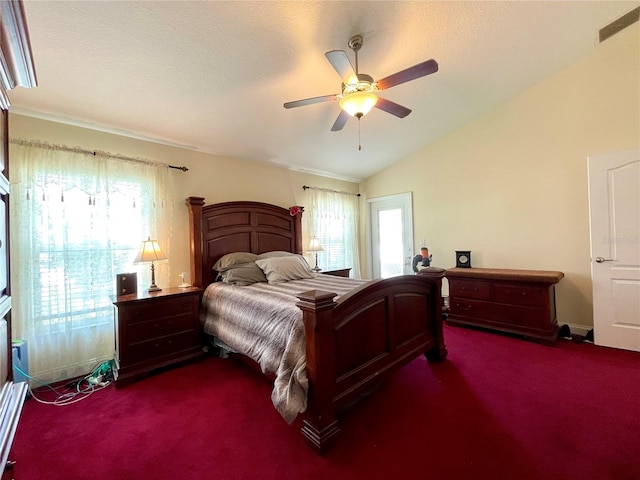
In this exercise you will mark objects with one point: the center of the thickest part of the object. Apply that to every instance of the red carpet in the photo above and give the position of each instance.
(498, 408)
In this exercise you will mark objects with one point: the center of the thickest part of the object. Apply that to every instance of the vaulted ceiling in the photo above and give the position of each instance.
(213, 76)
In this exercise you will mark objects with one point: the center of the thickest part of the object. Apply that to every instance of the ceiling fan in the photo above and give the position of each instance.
(358, 92)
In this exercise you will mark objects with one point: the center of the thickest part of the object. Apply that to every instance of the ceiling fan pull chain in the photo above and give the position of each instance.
(359, 143)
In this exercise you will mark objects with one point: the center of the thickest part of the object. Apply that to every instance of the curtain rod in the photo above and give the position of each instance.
(95, 153)
(306, 187)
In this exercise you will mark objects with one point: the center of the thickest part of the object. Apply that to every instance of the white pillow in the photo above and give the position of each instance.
(283, 269)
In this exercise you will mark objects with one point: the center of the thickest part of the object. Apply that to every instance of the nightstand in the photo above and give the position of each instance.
(344, 272)
(155, 329)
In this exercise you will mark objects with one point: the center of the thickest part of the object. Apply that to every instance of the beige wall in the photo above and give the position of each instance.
(512, 186)
(217, 179)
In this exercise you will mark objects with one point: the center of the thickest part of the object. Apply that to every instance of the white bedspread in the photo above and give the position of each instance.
(263, 322)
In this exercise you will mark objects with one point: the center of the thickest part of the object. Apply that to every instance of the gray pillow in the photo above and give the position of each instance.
(234, 258)
(275, 253)
(283, 269)
(243, 274)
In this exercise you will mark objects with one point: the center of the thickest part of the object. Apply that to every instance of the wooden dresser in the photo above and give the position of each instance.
(516, 301)
(155, 329)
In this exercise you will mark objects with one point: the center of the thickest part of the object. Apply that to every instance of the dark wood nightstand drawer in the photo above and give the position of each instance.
(162, 307)
(160, 327)
(158, 347)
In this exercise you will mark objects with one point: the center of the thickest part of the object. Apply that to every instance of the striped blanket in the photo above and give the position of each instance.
(263, 322)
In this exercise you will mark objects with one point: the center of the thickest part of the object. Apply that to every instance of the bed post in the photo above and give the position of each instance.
(195, 228)
(439, 351)
(320, 425)
(297, 220)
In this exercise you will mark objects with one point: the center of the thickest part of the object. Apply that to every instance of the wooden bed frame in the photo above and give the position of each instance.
(352, 344)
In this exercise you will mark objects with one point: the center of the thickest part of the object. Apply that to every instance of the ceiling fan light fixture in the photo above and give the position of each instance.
(358, 104)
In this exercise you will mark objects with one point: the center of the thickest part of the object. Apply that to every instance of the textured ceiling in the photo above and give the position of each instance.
(213, 76)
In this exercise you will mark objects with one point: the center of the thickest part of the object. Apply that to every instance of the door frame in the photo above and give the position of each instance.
(406, 200)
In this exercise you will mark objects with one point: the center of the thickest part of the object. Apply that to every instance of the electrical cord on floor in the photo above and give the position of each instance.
(99, 378)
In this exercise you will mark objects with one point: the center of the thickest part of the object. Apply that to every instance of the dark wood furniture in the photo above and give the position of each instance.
(352, 344)
(155, 329)
(343, 272)
(516, 301)
(16, 69)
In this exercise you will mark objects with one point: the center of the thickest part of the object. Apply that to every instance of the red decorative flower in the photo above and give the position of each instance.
(296, 209)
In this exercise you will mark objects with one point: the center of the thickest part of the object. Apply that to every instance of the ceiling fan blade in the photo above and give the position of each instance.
(339, 60)
(340, 121)
(411, 73)
(309, 101)
(392, 107)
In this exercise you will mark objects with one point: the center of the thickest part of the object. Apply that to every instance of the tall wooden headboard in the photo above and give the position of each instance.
(222, 228)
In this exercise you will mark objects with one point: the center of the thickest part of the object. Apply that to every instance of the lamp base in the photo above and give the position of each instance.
(153, 287)
(316, 269)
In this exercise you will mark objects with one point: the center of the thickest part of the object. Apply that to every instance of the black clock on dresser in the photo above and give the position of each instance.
(463, 258)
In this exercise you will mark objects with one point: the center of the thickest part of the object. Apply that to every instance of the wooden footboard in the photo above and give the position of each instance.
(352, 344)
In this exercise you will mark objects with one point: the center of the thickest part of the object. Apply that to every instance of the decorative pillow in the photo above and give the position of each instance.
(275, 253)
(234, 258)
(243, 274)
(283, 269)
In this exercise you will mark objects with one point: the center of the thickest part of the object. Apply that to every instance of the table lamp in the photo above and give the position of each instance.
(150, 252)
(314, 246)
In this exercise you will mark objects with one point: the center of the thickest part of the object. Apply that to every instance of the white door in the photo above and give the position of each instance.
(614, 208)
(391, 235)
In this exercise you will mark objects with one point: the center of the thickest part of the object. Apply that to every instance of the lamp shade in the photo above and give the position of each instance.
(314, 246)
(358, 104)
(150, 251)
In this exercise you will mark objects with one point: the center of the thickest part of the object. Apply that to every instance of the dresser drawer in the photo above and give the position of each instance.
(469, 289)
(463, 307)
(517, 295)
(158, 347)
(487, 313)
(160, 327)
(162, 307)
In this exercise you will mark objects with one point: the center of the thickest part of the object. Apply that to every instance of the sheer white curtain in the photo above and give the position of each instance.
(77, 220)
(333, 218)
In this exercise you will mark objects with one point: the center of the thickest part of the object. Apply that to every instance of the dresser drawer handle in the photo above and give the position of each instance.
(166, 324)
(463, 307)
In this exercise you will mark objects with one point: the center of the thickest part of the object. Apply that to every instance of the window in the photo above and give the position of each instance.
(332, 217)
(76, 221)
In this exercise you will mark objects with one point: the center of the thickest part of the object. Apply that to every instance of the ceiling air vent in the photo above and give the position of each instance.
(619, 24)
